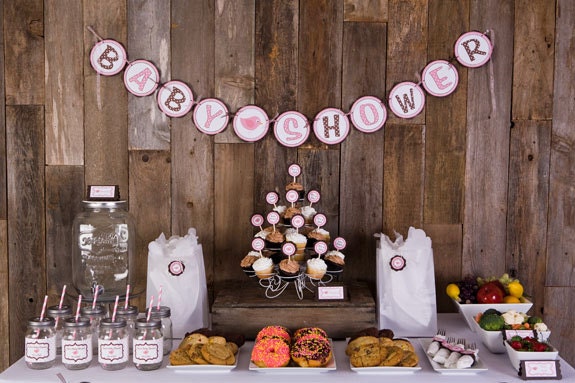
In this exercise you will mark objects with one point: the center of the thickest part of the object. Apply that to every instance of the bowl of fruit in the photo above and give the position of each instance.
(475, 295)
(492, 324)
(528, 348)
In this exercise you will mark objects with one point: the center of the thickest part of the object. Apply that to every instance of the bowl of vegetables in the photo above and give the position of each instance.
(474, 295)
(528, 348)
(491, 324)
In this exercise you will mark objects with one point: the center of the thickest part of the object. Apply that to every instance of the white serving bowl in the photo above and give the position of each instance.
(470, 310)
(517, 356)
(493, 340)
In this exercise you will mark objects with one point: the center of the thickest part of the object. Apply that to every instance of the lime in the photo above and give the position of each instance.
(515, 289)
(510, 299)
(452, 291)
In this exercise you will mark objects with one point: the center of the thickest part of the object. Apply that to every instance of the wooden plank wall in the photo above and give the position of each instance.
(486, 171)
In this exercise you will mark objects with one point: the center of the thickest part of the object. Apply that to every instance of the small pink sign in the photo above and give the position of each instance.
(339, 243)
(473, 49)
(406, 100)
(292, 196)
(440, 78)
(211, 116)
(313, 196)
(108, 57)
(319, 219)
(320, 247)
(331, 126)
(251, 123)
(257, 220)
(272, 198)
(141, 78)
(258, 244)
(273, 217)
(368, 114)
(288, 248)
(294, 170)
(291, 129)
(175, 99)
(297, 221)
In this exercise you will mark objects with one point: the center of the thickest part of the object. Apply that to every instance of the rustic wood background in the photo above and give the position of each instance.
(488, 172)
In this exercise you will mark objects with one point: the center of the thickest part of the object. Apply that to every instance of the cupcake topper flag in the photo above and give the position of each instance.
(313, 197)
(294, 170)
(258, 244)
(319, 220)
(257, 220)
(288, 249)
(292, 196)
(297, 221)
(273, 218)
(339, 243)
(272, 198)
(320, 248)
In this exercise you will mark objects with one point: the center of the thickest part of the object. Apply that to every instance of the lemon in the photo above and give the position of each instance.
(510, 299)
(515, 289)
(452, 291)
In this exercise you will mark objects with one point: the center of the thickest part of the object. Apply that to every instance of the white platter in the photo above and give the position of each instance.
(477, 368)
(385, 370)
(195, 368)
(297, 370)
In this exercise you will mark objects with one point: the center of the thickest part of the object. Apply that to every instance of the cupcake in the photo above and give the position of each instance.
(264, 267)
(280, 210)
(248, 261)
(308, 213)
(317, 234)
(274, 240)
(334, 260)
(264, 232)
(316, 268)
(299, 241)
(289, 213)
(289, 268)
(297, 187)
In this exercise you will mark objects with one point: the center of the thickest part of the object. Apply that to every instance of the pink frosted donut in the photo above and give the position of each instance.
(274, 332)
(271, 352)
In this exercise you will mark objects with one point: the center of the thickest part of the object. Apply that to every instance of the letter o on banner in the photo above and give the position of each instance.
(108, 57)
(473, 49)
(175, 99)
(368, 114)
(440, 78)
(331, 126)
(406, 100)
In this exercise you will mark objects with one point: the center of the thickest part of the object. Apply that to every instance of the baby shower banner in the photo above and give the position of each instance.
(251, 123)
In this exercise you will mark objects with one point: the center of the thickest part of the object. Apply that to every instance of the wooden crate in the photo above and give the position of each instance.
(244, 308)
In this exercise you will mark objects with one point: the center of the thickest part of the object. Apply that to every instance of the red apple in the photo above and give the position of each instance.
(490, 292)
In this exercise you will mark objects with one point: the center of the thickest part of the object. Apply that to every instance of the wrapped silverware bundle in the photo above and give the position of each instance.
(451, 353)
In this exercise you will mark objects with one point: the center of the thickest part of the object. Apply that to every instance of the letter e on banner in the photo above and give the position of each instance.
(473, 49)
(368, 114)
(211, 116)
(291, 129)
(331, 126)
(141, 78)
(251, 123)
(108, 57)
(440, 78)
(175, 99)
(406, 100)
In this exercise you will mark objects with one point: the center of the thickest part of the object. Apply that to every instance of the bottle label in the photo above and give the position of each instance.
(40, 350)
(77, 351)
(148, 351)
(113, 351)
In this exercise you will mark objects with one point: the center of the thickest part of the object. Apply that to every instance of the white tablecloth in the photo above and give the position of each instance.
(499, 370)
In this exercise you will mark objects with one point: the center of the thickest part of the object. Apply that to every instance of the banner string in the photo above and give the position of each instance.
(491, 35)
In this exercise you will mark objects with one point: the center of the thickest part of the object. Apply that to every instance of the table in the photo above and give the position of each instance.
(499, 370)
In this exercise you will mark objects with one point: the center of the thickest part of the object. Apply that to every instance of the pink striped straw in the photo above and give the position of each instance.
(115, 309)
(159, 298)
(95, 297)
(43, 308)
(127, 297)
(78, 307)
(62, 297)
(150, 309)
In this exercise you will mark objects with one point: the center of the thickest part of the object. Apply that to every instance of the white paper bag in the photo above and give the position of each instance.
(177, 265)
(406, 285)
